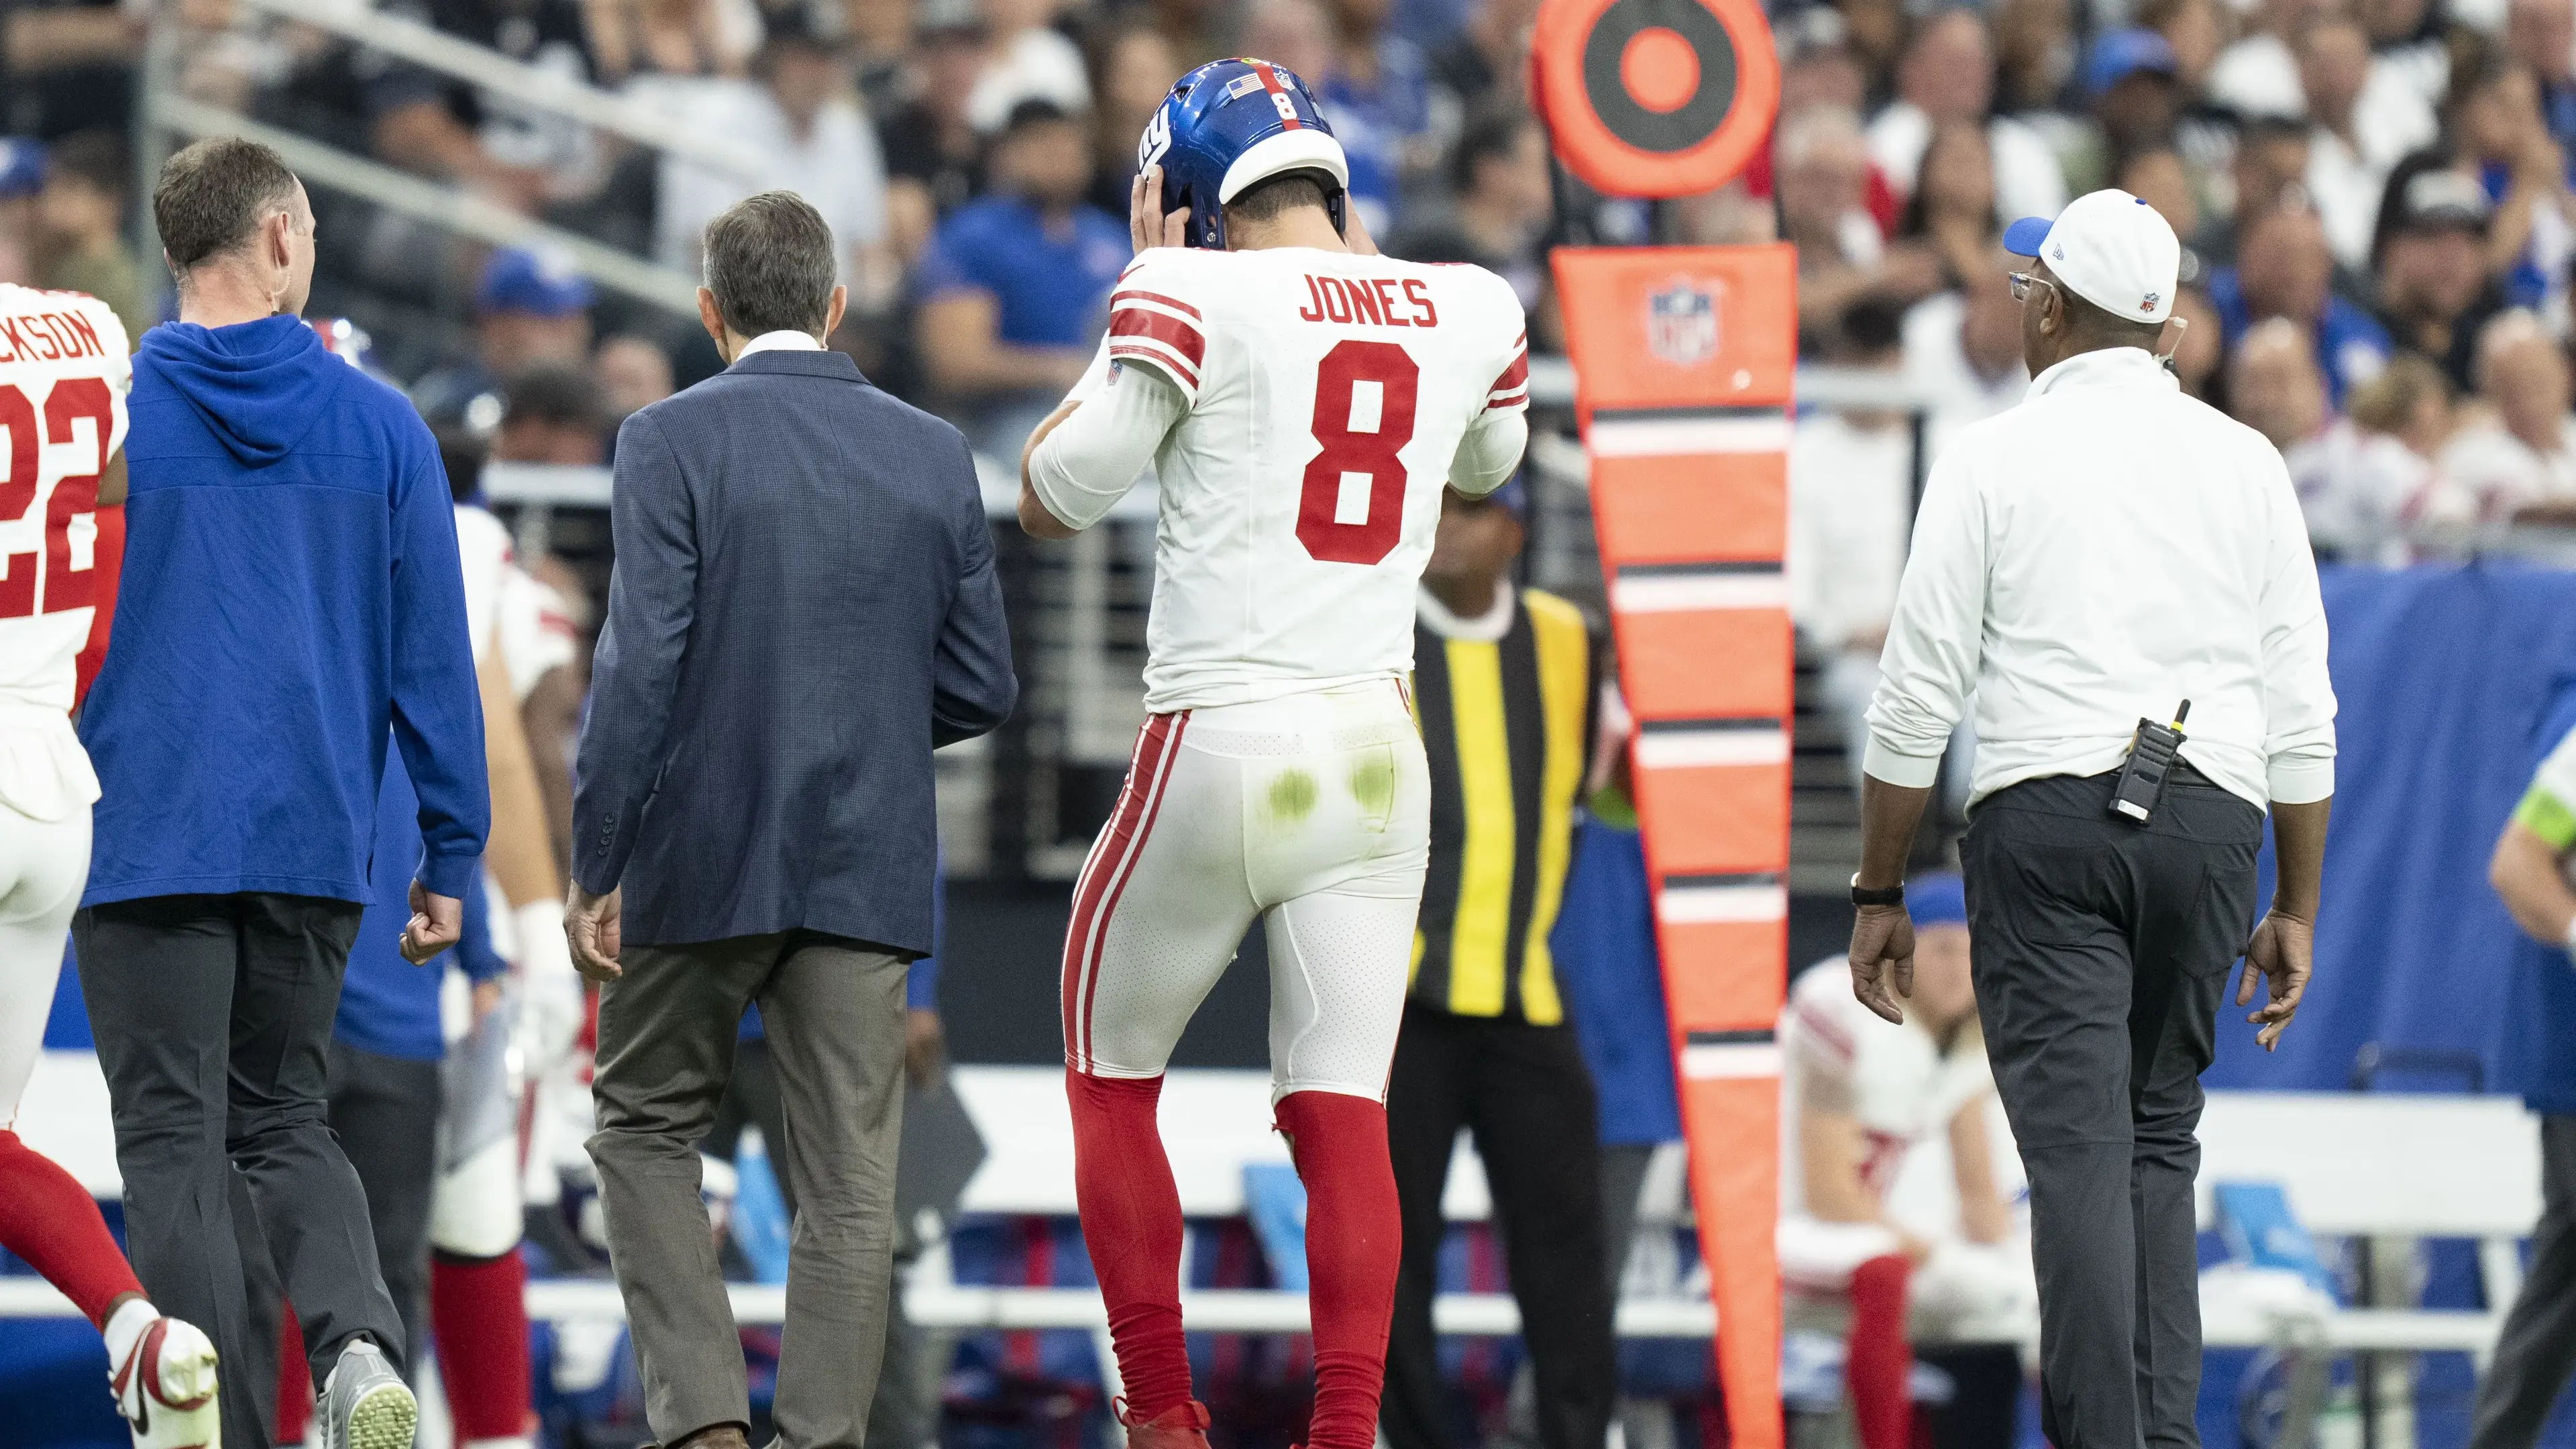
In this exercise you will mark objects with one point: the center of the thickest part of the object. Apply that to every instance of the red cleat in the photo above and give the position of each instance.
(1182, 1426)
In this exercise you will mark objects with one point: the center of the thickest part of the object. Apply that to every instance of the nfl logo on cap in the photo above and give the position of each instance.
(2109, 248)
(1681, 323)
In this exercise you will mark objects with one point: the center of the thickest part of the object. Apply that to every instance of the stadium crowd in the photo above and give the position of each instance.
(2375, 203)
(2375, 200)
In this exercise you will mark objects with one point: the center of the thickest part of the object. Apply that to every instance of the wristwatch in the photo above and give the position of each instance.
(1891, 896)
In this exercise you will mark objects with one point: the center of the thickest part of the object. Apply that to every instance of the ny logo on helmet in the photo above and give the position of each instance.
(1157, 138)
(1681, 323)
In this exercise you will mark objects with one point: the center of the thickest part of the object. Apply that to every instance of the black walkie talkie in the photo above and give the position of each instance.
(2151, 757)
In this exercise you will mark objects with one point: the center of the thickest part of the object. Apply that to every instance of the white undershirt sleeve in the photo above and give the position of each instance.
(1094, 456)
(1935, 643)
(1489, 451)
(2298, 696)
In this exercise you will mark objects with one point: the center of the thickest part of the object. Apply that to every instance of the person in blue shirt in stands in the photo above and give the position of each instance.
(2284, 269)
(1378, 92)
(1013, 286)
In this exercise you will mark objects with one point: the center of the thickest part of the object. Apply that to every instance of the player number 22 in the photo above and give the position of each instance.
(66, 587)
(1351, 509)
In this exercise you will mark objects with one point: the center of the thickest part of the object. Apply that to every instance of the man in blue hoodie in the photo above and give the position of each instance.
(293, 599)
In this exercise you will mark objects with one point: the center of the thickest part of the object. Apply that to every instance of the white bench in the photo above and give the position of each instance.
(2386, 1166)
(2360, 1165)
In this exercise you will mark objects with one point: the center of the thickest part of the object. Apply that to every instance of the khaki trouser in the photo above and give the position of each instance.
(833, 1012)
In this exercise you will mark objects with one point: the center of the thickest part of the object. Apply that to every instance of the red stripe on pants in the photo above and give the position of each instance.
(1108, 904)
(1107, 853)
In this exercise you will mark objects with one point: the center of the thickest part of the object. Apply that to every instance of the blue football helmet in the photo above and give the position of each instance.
(1230, 125)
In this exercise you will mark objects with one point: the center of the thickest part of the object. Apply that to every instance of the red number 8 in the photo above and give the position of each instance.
(1347, 450)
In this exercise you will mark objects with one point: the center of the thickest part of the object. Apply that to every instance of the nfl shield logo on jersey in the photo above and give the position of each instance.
(1681, 323)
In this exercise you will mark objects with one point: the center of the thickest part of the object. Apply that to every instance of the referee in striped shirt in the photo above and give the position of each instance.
(1504, 684)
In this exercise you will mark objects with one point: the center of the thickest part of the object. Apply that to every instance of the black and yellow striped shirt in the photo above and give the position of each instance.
(1507, 726)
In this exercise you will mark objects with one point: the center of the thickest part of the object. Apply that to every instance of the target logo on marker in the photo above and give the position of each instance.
(1656, 97)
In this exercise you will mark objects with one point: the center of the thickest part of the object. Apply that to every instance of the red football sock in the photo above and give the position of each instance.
(294, 1380)
(1131, 1225)
(1877, 1360)
(478, 1312)
(1354, 1235)
(52, 1224)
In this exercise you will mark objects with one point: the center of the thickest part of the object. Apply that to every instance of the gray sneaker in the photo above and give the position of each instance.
(365, 1404)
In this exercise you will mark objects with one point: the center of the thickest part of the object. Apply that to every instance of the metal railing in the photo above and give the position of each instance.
(534, 86)
(429, 201)
(166, 111)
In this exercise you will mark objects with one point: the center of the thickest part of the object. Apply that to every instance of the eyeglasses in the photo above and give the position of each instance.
(2022, 282)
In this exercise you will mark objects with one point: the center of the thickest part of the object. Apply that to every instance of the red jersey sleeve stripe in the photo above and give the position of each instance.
(1160, 354)
(1139, 294)
(1513, 385)
(1181, 337)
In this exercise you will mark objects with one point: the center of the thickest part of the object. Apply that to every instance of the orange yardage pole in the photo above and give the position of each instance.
(1683, 358)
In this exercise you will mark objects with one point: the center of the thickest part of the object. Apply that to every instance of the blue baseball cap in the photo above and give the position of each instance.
(2120, 54)
(22, 166)
(1937, 898)
(523, 279)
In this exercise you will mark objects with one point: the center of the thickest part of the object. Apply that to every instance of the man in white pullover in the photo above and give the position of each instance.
(2082, 565)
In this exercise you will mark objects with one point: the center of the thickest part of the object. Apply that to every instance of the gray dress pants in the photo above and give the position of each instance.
(2537, 1351)
(833, 1009)
(2100, 949)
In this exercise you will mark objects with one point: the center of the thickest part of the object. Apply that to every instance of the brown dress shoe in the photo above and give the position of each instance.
(1182, 1426)
(718, 1436)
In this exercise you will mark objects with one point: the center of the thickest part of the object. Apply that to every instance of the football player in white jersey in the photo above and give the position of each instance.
(1858, 1095)
(63, 380)
(1302, 401)
(478, 1281)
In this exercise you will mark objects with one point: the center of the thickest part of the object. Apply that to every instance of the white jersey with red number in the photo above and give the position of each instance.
(64, 375)
(1895, 1080)
(1327, 395)
(504, 602)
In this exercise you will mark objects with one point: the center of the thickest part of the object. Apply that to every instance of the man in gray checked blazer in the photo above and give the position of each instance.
(803, 608)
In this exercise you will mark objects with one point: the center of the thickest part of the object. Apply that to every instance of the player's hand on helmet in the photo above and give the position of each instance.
(1148, 225)
(437, 922)
(1355, 232)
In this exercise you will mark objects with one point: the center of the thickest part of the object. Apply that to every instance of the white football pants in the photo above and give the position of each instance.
(43, 866)
(1312, 812)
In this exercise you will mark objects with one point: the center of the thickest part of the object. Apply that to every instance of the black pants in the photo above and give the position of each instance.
(384, 1110)
(2537, 1351)
(213, 1018)
(1523, 1091)
(2100, 949)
